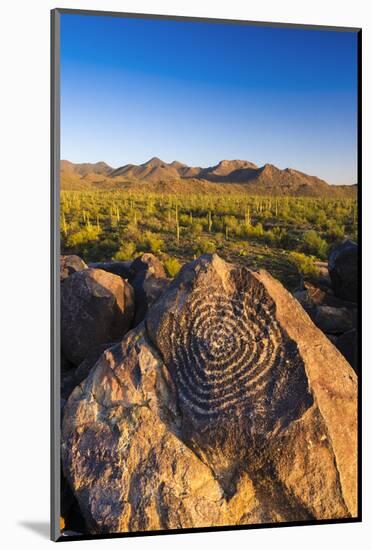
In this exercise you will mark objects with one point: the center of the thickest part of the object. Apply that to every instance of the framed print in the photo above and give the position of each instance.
(206, 192)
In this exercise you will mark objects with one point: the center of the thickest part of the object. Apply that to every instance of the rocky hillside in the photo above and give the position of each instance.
(85, 168)
(210, 399)
(237, 175)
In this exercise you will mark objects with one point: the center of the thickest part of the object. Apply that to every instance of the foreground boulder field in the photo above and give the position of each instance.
(331, 301)
(225, 405)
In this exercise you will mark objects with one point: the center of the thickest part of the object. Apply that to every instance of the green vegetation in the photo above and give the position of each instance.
(285, 235)
(305, 264)
(172, 266)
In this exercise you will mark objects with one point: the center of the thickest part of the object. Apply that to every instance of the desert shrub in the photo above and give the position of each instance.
(207, 247)
(320, 218)
(314, 244)
(152, 242)
(305, 264)
(85, 235)
(290, 240)
(269, 237)
(254, 230)
(219, 239)
(197, 228)
(132, 233)
(231, 223)
(125, 252)
(105, 249)
(335, 231)
(185, 220)
(172, 266)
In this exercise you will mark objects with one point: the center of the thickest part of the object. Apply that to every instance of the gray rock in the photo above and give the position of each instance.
(343, 269)
(117, 268)
(70, 264)
(97, 307)
(148, 279)
(347, 344)
(147, 263)
(333, 320)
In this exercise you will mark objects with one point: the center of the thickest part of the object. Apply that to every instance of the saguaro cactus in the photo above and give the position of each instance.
(64, 224)
(210, 221)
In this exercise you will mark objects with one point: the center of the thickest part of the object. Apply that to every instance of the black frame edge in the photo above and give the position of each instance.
(359, 290)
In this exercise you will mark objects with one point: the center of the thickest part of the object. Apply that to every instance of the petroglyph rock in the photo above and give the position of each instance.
(226, 406)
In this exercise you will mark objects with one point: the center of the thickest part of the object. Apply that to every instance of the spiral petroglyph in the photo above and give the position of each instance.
(223, 349)
(225, 406)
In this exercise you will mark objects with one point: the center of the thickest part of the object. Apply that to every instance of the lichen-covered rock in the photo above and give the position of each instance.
(226, 406)
(70, 264)
(97, 307)
(343, 269)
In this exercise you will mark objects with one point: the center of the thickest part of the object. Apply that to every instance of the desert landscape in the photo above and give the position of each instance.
(209, 335)
(208, 202)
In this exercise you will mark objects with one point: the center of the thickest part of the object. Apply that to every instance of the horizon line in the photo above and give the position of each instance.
(205, 167)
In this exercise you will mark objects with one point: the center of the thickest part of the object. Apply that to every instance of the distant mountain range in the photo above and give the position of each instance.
(229, 175)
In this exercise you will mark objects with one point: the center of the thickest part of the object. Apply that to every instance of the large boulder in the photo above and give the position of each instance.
(147, 290)
(347, 344)
(76, 374)
(333, 320)
(70, 264)
(146, 263)
(97, 307)
(329, 313)
(117, 268)
(226, 406)
(343, 269)
(148, 278)
(314, 295)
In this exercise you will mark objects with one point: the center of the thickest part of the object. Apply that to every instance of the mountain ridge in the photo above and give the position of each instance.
(243, 175)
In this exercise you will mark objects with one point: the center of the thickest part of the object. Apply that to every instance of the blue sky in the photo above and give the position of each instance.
(202, 92)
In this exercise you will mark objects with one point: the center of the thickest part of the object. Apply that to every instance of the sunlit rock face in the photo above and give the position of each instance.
(225, 406)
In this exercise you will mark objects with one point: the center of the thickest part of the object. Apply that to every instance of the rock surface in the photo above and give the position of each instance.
(333, 320)
(347, 344)
(343, 269)
(70, 264)
(97, 307)
(329, 313)
(227, 406)
(147, 263)
(117, 268)
(148, 278)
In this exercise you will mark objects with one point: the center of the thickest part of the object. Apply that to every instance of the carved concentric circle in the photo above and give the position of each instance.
(223, 349)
